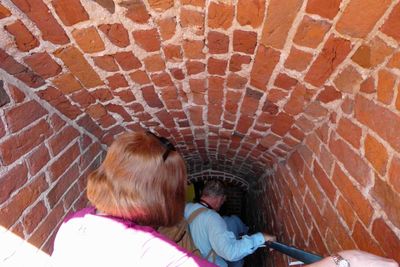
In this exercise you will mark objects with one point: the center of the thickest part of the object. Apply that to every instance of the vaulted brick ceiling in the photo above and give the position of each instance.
(236, 84)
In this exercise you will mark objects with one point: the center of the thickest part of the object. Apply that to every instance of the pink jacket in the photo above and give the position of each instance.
(87, 239)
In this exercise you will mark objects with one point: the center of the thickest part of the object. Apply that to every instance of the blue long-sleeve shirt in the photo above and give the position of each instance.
(209, 230)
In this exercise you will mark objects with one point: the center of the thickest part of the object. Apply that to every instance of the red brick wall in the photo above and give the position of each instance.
(44, 163)
(340, 190)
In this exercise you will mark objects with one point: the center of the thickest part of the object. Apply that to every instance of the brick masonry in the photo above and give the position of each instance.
(300, 99)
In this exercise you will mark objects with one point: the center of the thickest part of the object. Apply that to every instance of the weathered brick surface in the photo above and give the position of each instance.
(220, 15)
(43, 64)
(264, 64)
(327, 9)
(88, 40)
(39, 13)
(78, 65)
(278, 22)
(23, 37)
(149, 40)
(333, 53)
(70, 11)
(359, 24)
(117, 34)
(250, 12)
(136, 11)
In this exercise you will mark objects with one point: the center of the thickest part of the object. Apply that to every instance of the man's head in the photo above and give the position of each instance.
(214, 193)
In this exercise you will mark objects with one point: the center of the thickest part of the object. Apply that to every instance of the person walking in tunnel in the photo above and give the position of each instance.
(210, 233)
(238, 228)
(139, 186)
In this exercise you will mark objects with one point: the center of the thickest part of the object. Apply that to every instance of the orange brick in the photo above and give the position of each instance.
(216, 66)
(392, 25)
(39, 13)
(193, 49)
(167, 28)
(23, 37)
(154, 63)
(333, 53)
(353, 195)
(161, 5)
(244, 41)
(388, 199)
(106, 63)
(329, 94)
(149, 40)
(79, 67)
(387, 239)
(70, 11)
(42, 64)
(358, 24)
(116, 33)
(162, 79)
(376, 153)
(282, 124)
(386, 82)
(326, 9)
(136, 11)
(193, 19)
(117, 81)
(372, 54)
(4, 12)
(236, 81)
(127, 60)
(220, 15)
(237, 60)
(348, 80)
(364, 240)
(20, 202)
(395, 61)
(199, 3)
(139, 77)
(196, 115)
(88, 40)
(346, 212)
(368, 86)
(352, 161)
(173, 53)
(250, 12)
(278, 22)
(20, 116)
(66, 83)
(350, 132)
(310, 32)
(379, 119)
(298, 60)
(394, 173)
(265, 61)
(218, 43)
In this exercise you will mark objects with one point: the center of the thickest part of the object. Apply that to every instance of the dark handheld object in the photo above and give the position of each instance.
(295, 253)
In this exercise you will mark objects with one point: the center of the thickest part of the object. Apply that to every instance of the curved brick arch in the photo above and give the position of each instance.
(218, 175)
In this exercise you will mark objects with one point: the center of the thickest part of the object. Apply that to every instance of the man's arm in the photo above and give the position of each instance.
(225, 244)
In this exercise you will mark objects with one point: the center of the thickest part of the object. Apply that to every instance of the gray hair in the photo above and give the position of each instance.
(213, 188)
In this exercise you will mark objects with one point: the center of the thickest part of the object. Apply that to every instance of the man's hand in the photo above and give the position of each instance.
(269, 237)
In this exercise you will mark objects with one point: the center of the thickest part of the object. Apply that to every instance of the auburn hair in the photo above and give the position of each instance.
(134, 182)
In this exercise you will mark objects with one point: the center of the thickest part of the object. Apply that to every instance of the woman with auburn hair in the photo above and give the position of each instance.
(139, 186)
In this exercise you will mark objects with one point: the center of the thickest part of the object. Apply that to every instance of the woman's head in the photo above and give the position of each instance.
(142, 179)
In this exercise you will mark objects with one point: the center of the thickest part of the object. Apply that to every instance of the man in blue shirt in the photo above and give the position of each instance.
(238, 228)
(210, 233)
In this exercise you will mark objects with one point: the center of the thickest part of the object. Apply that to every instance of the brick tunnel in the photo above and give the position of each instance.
(295, 104)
